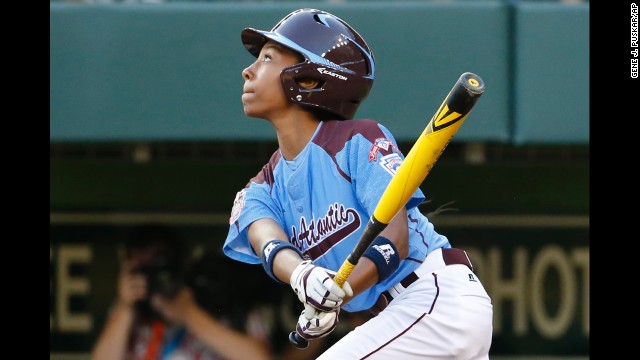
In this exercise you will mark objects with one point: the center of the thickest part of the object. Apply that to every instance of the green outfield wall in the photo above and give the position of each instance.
(171, 71)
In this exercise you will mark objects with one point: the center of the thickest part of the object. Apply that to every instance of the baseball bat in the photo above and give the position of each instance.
(413, 170)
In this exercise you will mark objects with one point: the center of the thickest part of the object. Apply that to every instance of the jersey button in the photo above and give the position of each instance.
(299, 208)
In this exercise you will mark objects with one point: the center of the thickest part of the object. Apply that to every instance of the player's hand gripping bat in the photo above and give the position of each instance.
(411, 173)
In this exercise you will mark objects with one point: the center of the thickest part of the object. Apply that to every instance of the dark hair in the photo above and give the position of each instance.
(150, 234)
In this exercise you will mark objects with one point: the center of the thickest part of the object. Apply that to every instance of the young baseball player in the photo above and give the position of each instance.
(303, 213)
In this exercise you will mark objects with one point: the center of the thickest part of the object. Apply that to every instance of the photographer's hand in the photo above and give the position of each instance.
(132, 286)
(175, 309)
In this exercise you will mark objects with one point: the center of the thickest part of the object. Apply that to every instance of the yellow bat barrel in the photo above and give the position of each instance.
(427, 149)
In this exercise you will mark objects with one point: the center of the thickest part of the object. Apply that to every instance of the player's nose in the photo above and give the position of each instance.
(247, 74)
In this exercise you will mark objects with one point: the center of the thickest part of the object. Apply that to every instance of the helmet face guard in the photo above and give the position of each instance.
(334, 53)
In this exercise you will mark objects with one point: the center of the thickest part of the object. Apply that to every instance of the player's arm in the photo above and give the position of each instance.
(284, 263)
(263, 231)
(366, 273)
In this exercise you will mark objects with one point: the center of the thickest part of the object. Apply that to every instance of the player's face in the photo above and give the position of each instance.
(262, 93)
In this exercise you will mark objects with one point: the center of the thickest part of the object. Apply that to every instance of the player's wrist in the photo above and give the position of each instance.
(269, 252)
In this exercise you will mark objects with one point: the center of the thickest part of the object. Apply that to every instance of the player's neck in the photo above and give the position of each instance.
(293, 138)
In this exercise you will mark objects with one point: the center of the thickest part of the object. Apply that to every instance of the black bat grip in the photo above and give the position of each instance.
(297, 340)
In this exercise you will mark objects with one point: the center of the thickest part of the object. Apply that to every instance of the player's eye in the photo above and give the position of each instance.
(266, 57)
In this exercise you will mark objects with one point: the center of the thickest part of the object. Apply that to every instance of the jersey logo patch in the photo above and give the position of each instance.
(390, 163)
(238, 205)
(379, 143)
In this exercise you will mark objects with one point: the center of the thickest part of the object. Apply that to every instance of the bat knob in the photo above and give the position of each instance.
(473, 83)
(297, 340)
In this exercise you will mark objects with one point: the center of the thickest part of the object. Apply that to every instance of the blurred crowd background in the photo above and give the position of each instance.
(147, 129)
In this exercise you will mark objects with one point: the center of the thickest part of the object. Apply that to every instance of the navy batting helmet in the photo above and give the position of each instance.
(334, 53)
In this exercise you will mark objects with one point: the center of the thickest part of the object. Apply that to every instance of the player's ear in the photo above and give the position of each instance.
(309, 83)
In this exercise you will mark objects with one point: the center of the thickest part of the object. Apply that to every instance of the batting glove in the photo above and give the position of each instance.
(314, 324)
(314, 285)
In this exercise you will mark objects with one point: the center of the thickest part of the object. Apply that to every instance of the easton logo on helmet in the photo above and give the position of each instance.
(328, 72)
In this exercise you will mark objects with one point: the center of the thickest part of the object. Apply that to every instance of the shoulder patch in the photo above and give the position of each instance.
(238, 205)
(390, 163)
(380, 143)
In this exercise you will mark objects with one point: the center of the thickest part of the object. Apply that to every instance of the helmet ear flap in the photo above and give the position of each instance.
(338, 92)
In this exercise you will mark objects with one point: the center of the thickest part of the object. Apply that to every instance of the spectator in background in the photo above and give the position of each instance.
(163, 311)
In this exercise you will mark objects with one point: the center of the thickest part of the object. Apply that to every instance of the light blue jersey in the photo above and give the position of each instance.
(324, 198)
